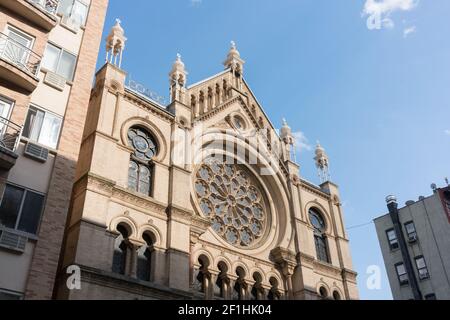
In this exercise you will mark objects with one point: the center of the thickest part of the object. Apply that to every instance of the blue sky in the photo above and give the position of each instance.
(377, 99)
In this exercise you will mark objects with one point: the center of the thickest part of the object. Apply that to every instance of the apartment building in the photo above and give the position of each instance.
(48, 53)
(415, 243)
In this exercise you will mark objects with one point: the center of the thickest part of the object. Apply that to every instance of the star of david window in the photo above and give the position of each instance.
(229, 196)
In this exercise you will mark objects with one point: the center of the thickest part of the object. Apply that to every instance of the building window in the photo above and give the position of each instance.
(220, 288)
(411, 231)
(141, 165)
(16, 47)
(401, 273)
(422, 268)
(274, 293)
(320, 239)
(202, 276)
(257, 292)
(430, 296)
(392, 239)
(75, 10)
(5, 109)
(21, 209)
(323, 293)
(122, 250)
(336, 295)
(42, 127)
(145, 258)
(59, 61)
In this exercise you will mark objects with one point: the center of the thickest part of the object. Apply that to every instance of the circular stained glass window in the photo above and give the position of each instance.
(143, 144)
(228, 195)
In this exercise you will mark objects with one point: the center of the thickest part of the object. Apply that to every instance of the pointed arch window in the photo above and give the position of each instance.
(140, 172)
(320, 238)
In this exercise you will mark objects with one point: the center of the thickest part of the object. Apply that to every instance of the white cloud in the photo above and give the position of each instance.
(447, 132)
(379, 11)
(409, 31)
(301, 142)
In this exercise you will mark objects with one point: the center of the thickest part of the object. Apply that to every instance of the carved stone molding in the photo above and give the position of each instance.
(179, 214)
(285, 260)
(130, 97)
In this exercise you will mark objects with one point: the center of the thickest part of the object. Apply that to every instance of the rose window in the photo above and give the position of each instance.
(230, 198)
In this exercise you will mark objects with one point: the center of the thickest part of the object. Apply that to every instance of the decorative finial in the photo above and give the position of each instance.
(322, 163)
(178, 57)
(233, 44)
(285, 122)
(115, 44)
(446, 181)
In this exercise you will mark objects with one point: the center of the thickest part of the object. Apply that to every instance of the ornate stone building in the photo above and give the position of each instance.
(198, 199)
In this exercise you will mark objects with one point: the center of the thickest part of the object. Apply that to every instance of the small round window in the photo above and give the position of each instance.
(239, 122)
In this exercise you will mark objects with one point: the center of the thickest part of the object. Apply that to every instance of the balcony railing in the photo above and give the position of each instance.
(50, 6)
(10, 134)
(19, 55)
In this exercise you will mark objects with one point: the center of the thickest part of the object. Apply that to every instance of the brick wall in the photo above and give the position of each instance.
(46, 256)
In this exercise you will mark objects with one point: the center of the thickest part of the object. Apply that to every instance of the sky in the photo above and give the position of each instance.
(370, 79)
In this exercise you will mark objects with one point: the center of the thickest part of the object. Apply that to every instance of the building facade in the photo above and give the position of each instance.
(415, 244)
(198, 199)
(48, 52)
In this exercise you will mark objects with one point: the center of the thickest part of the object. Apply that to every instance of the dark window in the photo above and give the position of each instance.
(141, 165)
(323, 293)
(392, 239)
(422, 268)
(430, 296)
(411, 231)
(121, 249)
(222, 280)
(401, 273)
(21, 209)
(145, 259)
(320, 239)
(336, 295)
(274, 293)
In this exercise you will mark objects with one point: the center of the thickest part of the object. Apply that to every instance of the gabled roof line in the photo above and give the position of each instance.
(210, 78)
(261, 107)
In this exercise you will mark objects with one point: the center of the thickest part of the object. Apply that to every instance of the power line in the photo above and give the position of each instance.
(360, 225)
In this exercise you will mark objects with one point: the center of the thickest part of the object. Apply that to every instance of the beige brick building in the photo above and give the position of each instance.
(48, 51)
(201, 198)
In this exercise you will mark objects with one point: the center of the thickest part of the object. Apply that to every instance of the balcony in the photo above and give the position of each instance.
(40, 12)
(18, 64)
(10, 134)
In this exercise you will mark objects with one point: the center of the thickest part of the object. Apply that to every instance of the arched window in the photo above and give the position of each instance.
(220, 287)
(273, 293)
(323, 293)
(336, 295)
(320, 238)
(257, 292)
(240, 285)
(144, 265)
(121, 250)
(141, 167)
(201, 276)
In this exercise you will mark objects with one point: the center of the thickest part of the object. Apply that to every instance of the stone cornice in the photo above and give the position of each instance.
(179, 214)
(307, 187)
(109, 188)
(157, 111)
